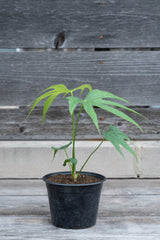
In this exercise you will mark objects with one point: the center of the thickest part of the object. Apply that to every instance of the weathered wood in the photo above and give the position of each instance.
(14, 126)
(112, 187)
(111, 228)
(131, 75)
(87, 24)
(130, 205)
(121, 215)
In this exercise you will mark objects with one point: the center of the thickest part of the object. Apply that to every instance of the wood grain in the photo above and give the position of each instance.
(87, 24)
(135, 205)
(38, 205)
(118, 228)
(121, 215)
(58, 126)
(112, 187)
(131, 75)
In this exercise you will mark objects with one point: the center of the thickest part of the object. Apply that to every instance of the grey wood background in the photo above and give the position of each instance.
(122, 23)
(128, 74)
(74, 42)
(13, 125)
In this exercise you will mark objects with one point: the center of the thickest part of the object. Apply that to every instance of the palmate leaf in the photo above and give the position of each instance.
(64, 147)
(37, 100)
(82, 88)
(121, 106)
(62, 87)
(56, 90)
(73, 102)
(96, 98)
(48, 102)
(117, 138)
(91, 112)
(52, 92)
(96, 95)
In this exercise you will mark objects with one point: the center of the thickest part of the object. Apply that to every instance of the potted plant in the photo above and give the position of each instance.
(74, 195)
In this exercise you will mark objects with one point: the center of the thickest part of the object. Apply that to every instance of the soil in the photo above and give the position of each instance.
(67, 179)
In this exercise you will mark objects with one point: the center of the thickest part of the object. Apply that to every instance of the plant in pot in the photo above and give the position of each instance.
(74, 195)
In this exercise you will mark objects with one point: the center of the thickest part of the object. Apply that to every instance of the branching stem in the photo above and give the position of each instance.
(90, 157)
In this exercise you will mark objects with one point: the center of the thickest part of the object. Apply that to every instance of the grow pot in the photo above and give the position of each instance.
(74, 206)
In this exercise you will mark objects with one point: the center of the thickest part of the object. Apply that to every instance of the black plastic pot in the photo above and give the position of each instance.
(74, 206)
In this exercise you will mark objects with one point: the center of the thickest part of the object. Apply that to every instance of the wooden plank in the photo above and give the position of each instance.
(131, 75)
(22, 187)
(131, 205)
(87, 24)
(14, 126)
(111, 228)
(112, 187)
(121, 215)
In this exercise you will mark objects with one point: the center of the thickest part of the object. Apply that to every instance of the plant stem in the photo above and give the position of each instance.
(70, 167)
(74, 175)
(73, 137)
(73, 172)
(66, 153)
(73, 150)
(90, 157)
(75, 132)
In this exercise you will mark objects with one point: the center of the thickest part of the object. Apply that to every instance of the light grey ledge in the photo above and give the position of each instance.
(33, 159)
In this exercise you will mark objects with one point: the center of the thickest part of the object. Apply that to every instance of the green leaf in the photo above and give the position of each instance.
(37, 100)
(70, 160)
(95, 98)
(96, 95)
(82, 88)
(117, 138)
(119, 114)
(121, 106)
(56, 90)
(73, 102)
(52, 92)
(91, 112)
(48, 102)
(55, 151)
(60, 148)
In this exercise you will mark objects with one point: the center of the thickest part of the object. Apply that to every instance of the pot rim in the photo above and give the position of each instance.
(103, 178)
